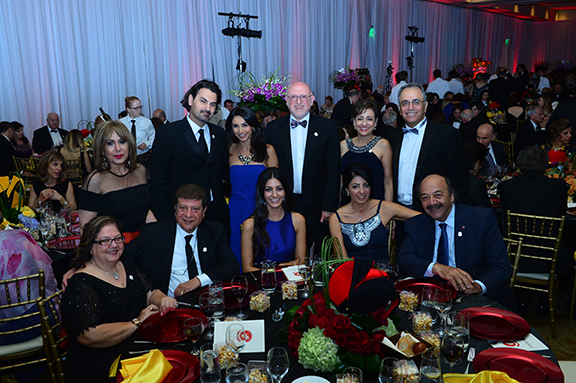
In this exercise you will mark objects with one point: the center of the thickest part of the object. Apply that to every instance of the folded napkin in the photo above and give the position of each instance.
(485, 376)
(148, 368)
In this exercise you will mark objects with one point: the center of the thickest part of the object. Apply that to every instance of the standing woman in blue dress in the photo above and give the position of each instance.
(249, 156)
(274, 232)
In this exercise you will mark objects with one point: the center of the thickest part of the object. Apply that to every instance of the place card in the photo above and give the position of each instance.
(530, 343)
(254, 331)
(292, 274)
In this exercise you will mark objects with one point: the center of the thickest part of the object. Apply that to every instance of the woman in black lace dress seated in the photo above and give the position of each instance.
(105, 302)
(361, 225)
(20, 142)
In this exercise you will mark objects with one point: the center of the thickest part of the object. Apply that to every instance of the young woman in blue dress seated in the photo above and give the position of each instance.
(361, 225)
(274, 232)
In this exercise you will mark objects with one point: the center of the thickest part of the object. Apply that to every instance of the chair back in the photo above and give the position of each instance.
(508, 150)
(74, 171)
(24, 165)
(54, 342)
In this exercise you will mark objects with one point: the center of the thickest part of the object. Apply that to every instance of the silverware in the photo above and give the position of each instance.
(458, 300)
(189, 305)
(471, 355)
(138, 352)
(149, 341)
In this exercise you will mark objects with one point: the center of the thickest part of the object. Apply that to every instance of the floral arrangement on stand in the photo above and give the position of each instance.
(260, 96)
(326, 340)
(566, 172)
(14, 214)
(494, 115)
(344, 78)
(464, 71)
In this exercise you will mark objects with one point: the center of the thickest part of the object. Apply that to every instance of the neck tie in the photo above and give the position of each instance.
(54, 130)
(491, 163)
(192, 269)
(442, 256)
(203, 146)
(410, 130)
(133, 128)
(295, 124)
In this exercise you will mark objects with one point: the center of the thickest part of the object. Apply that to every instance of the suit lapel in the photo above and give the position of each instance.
(284, 133)
(459, 234)
(202, 245)
(169, 248)
(189, 136)
(426, 145)
(312, 136)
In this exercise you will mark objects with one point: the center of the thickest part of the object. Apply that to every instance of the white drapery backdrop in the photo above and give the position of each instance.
(72, 57)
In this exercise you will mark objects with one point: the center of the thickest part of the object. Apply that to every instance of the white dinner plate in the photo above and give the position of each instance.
(311, 379)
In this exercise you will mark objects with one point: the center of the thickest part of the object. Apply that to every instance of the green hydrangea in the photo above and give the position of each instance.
(317, 352)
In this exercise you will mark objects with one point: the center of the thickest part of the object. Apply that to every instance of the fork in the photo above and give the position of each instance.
(471, 355)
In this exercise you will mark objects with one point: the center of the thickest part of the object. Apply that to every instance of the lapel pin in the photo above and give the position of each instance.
(459, 233)
(131, 277)
(316, 134)
(463, 227)
(213, 137)
(205, 249)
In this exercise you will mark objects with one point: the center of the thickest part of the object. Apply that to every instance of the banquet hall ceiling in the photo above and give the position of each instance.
(522, 9)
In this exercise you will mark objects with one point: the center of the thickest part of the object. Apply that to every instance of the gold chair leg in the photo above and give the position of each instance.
(551, 305)
(571, 317)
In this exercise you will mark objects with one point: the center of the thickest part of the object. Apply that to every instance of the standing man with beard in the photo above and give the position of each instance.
(458, 243)
(192, 150)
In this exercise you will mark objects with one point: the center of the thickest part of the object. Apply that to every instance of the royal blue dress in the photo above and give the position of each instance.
(282, 240)
(242, 200)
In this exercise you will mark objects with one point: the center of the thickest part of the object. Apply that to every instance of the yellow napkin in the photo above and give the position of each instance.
(485, 376)
(147, 368)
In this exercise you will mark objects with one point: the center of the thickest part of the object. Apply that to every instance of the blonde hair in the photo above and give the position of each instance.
(101, 138)
(74, 141)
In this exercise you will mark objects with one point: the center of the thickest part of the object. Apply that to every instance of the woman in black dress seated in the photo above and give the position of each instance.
(20, 142)
(361, 225)
(559, 148)
(51, 186)
(105, 302)
(118, 186)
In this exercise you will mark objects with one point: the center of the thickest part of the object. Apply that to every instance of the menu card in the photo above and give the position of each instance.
(292, 274)
(530, 343)
(254, 332)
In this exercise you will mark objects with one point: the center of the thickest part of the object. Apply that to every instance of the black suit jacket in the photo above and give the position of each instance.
(500, 89)
(499, 153)
(478, 246)
(342, 113)
(42, 140)
(7, 152)
(176, 161)
(442, 153)
(527, 136)
(153, 251)
(468, 130)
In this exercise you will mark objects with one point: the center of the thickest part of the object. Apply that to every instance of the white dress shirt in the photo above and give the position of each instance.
(409, 153)
(298, 143)
(491, 152)
(179, 271)
(395, 91)
(438, 86)
(456, 86)
(56, 137)
(145, 132)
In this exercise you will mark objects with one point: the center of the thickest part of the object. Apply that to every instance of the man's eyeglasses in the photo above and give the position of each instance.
(415, 103)
(303, 97)
(108, 241)
(138, 107)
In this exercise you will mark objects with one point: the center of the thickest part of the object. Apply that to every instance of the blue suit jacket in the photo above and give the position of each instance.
(480, 250)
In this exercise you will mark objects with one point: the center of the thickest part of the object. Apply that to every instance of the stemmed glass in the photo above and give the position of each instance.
(216, 291)
(304, 271)
(277, 363)
(428, 302)
(208, 309)
(390, 268)
(386, 373)
(193, 328)
(239, 289)
(460, 323)
(235, 337)
(452, 346)
(443, 299)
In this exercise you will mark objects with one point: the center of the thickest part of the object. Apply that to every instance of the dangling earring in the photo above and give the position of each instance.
(104, 161)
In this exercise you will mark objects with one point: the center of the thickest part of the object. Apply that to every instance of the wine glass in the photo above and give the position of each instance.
(208, 309)
(216, 291)
(237, 373)
(452, 346)
(386, 373)
(193, 328)
(459, 322)
(430, 367)
(235, 337)
(428, 302)
(277, 363)
(390, 268)
(239, 289)
(443, 299)
(304, 271)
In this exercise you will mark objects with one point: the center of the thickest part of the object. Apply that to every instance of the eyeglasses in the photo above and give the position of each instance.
(108, 241)
(303, 97)
(416, 103)
(138, 107)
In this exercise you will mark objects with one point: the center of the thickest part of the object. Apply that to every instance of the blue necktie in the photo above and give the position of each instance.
(410, 130)
(491, 163)
(442, 256)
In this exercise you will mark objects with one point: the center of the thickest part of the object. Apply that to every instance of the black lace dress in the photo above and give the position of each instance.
(88, 302)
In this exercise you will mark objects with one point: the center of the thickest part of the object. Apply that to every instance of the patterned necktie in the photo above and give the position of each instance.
(410, 130)
(295, 124)
(192, 269)
(442, 255)
(491, 163)
(203, 146)
(133, 128)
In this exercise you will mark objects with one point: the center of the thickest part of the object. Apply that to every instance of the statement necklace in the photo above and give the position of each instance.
(114, 274)
(360, 233)
(245, 160)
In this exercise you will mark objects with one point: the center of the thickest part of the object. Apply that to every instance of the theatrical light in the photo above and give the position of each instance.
(372, 32)
(414, 39)
(244, 32)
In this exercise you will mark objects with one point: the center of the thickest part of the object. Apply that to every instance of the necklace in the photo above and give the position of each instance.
(245, 160)
(361, 235)
(114, 274)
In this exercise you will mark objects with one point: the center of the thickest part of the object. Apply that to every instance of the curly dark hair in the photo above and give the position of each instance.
(45, 161)
(190, 191)
(89, 235)
(257, 144)
(208, 84)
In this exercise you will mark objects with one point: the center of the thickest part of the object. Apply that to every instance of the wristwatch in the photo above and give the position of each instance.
(137, 322)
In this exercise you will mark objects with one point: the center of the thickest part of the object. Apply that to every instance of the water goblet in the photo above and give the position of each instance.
(208, 309)
(237, 373)
(304, 271)
(235, 337)
(459, 322)
(277, 363)
(386, 373)
(239, 287)
(452, 346)
(193, 328)
(428, 302)
(443, 299)
(430, 367)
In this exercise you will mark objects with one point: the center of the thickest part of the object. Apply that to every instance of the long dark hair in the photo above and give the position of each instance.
(260, 237)
(89, 235)
(257, 144)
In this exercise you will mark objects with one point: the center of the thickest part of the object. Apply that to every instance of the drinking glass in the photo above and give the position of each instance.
(235, 337)
(239, 287)
(209, 364)
(452, 347)
(443, 299)
(268, 276)
(315, 261)
(216, 290)
(304, 271)
(428, 302)
(237, 373)
(208, 309)
(386, 373)
(277, 363)
(430, 371)
(460, 323)
(352, 374)
(193, 328)
(391, 269)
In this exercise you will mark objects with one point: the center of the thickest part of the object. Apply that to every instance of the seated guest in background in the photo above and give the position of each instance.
(433, 105)
(229, 104)
(476, 154)
(387, 123)
(362, 225)
(49, 136)
(118, 186)
(455, 119)
(105, 302)
(161, 115)
(459, 243)
(530, 133)
(7, 151)
(456, 99)
(496, 156)
(184, 252)
(74, 150)
(140, 127)
(559, 149)
(20, 142)
(274, 232)
(328, 106)
(51, 186)
(514, 113)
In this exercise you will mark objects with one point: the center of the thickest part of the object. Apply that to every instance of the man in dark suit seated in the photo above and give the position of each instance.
(530, 133)
(49, 136)
(7, 151)
(496, 155)
(459, 243)
(183, 253)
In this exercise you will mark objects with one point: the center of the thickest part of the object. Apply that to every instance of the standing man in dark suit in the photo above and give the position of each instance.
(500, 89)
(7, 151)
(458, 243)
(309, 155)
(422, 148)
(342, 112)
(49, 136)
(192, 150)
(530, 133)
(496, 155)
(183, 252)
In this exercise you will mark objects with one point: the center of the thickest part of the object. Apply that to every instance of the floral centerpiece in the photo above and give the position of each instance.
(566, 172)
(14, 214)
(494, 115)
(344, 78)
(260, 96)
(464, 70)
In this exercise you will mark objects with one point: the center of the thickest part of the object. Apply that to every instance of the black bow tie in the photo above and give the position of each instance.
(53, 130)
(410, 130)
(295, 123)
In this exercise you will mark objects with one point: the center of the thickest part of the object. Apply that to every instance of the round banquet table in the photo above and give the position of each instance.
(272, 329)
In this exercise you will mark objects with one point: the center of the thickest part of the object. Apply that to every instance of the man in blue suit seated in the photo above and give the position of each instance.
(459, 243)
